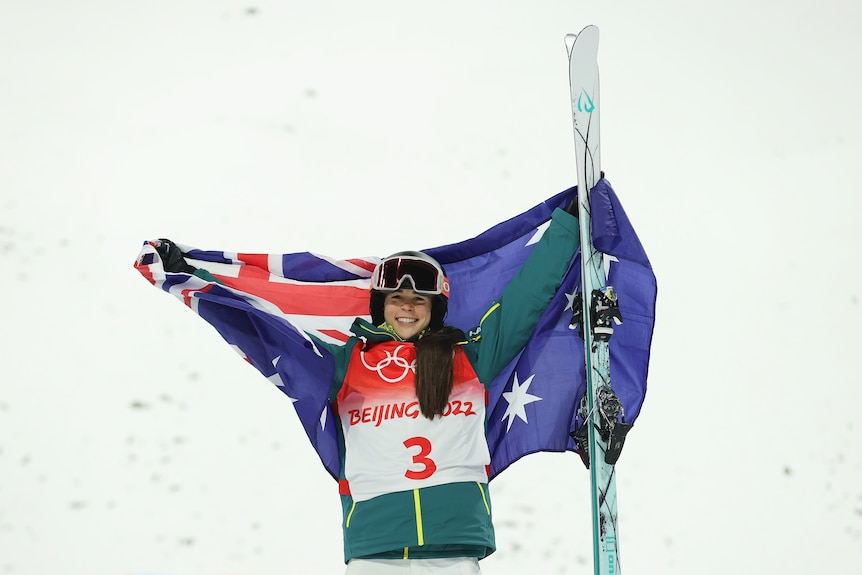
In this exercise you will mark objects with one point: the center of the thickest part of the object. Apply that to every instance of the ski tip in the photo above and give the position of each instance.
(591, 30)
(570, 42)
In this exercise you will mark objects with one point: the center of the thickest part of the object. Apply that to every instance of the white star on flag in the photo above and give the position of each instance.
(540, 231)
(518, 398)
(571, 298)
(606, 260)
(276, 378)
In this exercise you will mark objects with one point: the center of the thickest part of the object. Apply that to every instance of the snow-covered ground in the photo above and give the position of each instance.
(133, 441)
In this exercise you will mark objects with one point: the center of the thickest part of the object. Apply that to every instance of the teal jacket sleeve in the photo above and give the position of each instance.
(508, 324)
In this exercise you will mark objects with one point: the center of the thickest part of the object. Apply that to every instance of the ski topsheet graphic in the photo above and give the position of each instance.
(603, 428)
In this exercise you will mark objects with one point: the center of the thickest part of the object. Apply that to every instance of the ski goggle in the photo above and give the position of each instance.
(425, 277)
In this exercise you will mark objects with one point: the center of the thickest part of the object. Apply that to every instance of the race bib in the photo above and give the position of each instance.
(390, 446)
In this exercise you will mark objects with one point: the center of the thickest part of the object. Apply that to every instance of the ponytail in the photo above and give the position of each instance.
(435, 353)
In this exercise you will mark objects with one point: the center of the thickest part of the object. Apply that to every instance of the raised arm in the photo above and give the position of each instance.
(509, 323)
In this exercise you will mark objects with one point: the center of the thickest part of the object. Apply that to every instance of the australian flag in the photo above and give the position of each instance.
(268, 304)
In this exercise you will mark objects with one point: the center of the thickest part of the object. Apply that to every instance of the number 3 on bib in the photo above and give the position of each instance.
(421, 458)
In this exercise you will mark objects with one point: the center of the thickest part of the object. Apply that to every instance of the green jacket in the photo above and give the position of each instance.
(454, 519)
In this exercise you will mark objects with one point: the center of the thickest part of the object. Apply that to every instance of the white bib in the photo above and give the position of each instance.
(390, 446)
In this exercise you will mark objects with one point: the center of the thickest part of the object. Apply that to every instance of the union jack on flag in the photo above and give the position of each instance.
(268, 305)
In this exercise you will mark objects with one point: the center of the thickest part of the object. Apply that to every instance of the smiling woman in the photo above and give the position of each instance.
(410, 396)
(416, 313)
(414, 482)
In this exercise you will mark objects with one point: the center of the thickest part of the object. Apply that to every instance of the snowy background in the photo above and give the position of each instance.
(134, 441)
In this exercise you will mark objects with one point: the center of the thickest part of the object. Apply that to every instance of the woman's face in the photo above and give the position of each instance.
(407, 312)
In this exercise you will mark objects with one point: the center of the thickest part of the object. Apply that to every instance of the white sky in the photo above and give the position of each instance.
(133, 441)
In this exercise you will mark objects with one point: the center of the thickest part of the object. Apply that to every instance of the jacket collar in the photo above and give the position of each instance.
(371, 333)
(374, 334)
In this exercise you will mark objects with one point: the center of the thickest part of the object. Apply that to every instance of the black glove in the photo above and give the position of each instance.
(172, 258)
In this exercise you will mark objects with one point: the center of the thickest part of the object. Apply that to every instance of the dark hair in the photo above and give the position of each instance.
(435, 351)
(435, 354)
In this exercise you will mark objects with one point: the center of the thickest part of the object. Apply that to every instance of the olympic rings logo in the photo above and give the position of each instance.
(391, 358)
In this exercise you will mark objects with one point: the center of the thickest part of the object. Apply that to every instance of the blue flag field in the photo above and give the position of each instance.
(269, 303)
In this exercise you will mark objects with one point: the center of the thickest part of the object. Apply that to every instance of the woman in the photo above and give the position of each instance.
(410, 397)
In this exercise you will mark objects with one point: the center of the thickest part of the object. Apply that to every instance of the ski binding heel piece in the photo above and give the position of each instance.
(612, 429)
(604, 312)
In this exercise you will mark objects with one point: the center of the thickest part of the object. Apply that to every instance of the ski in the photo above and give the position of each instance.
(599, 437)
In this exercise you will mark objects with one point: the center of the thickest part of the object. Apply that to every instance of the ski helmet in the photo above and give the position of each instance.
(414, 270)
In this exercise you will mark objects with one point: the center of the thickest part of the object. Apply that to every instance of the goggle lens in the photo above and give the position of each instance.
(424, 276)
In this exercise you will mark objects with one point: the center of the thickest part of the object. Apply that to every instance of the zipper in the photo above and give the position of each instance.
(417, 505)
(420, 537)
(484, 498)
(350, 514)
